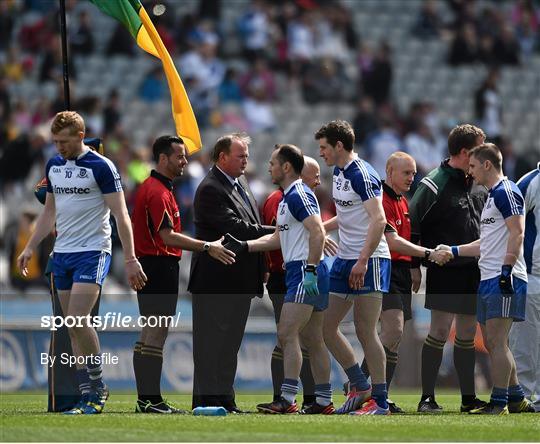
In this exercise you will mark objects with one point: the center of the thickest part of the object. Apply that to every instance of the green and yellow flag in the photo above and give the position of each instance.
(134, 17)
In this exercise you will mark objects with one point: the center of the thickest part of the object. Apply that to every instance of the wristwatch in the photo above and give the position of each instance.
(310, 268)
(206, 246)
(427, 253)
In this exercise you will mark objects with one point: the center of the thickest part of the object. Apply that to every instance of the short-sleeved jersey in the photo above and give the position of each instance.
(352, 186)
(155, 209)
(396, 210)
(82, 217)
(298, 203)
(274, 259)
(504, 200)
(529, 185)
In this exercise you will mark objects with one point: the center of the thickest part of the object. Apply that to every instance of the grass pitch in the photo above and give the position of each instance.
(23, 418)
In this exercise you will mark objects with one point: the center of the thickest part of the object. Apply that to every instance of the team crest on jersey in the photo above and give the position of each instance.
(83, 174)
(346, 185)
(398, 222)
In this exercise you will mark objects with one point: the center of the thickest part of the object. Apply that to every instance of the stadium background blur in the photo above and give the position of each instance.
(402, 71)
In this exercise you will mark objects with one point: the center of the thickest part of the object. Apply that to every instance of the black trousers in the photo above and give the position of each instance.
(219, 321)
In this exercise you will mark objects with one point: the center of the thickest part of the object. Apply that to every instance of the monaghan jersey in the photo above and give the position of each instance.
(352, 186)
(504, 200)
(298, 203)
(529, 185)
(82, 217)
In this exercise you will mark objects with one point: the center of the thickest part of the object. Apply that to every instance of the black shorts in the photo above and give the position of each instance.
(277, 288)
(452, 289)
(399, 296)
(160, 294)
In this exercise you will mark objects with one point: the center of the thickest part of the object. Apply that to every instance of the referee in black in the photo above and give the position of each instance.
(446, 209)
(158, 246)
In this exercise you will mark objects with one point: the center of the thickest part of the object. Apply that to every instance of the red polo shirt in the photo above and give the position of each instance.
(155, 208)
(396, 210)
(274, 259)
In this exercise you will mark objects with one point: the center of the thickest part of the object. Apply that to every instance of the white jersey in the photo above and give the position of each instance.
(504, 200)
(297, 204)
(82, 217)
(529, 185)
(351, 187)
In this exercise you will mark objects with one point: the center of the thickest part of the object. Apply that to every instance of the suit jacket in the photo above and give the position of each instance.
(219, 209)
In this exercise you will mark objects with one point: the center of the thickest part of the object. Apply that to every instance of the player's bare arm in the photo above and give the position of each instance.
(315, 228)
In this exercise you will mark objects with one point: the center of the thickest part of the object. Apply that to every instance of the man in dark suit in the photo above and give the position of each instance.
(222, 294)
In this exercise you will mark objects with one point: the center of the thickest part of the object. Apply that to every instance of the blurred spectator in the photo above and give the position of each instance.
(329, 36)
(16, 236)
(488, 107)
(229, 90)
(22, 118)
(153, 87)
(12, 67)
(82, 41)
(51, 65)
(377, 78)
(324, 80)
(5, 110)
(111, 113)
(19, 156)
(464, 47)
(7, 20)
(257, 107)
(203, 73)
(255, 30)
(422, 146)
(139, 167)
(121, 42)
(524, 12)
(344, 20)
(92, 112)
(428, 23)
(383, 142)
(527, 37)
(261, 77)
(301, 40)
(365, 121)
(506, 47)
(42, 111)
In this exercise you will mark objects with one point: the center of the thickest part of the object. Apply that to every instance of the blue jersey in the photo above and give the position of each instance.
(82, 217)
(356, 183)
(297, 204)
(504, 200)
(529, 186)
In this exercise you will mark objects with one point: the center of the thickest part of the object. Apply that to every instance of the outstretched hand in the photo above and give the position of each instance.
(220, 252)
(441, 256)
(233, 244)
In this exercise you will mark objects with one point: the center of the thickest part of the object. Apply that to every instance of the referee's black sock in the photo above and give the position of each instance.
(276, 366)
(464, 361)
(151, 363)
(308, 384)
(432, 352)
(391, 362)
(137, 367)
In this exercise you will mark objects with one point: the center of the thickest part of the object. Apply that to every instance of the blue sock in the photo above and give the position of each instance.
(357, 378)
(95, 373)
(499, 396)
(515, 393)
(83, 380)
(380, 395)
(323, 394)
(289, 389)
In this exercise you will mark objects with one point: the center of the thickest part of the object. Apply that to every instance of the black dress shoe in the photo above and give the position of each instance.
(233, 409)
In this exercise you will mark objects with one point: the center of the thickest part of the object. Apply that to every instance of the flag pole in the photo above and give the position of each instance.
(65, 65)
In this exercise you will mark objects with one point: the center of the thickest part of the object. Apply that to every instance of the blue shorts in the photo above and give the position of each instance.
(89, 267)
(491, 304)
(295, 290)
(377, 277)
